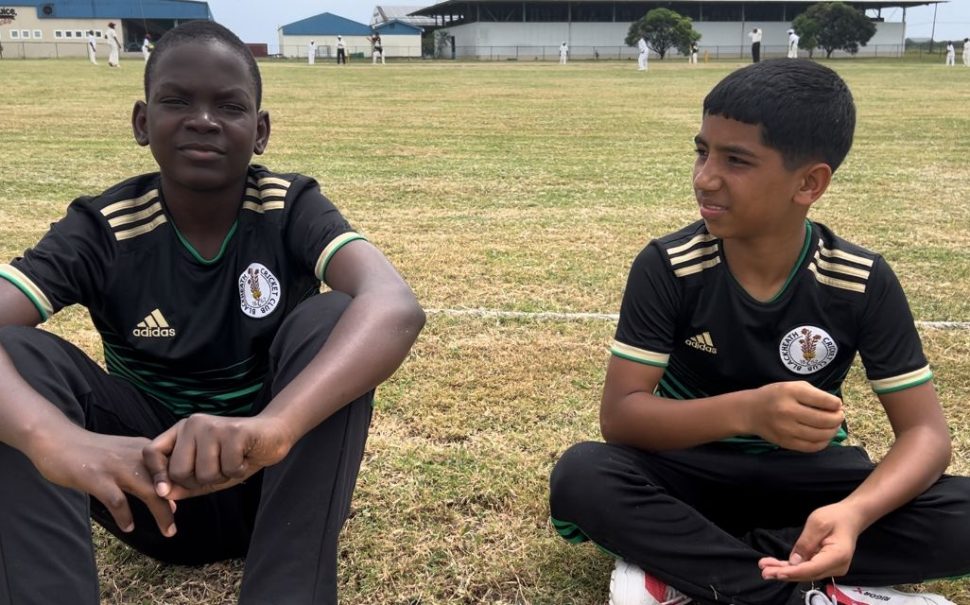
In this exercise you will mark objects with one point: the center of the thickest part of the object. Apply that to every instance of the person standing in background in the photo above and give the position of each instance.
(311, 52)
(793, 39)
(951, 54)
(147, 46)
(378, 48)
(755, 35)
(966, 52)
(563, 53)
(644, 57)
(114, 46)
(341, 51)
(693, 53)
(92, 47)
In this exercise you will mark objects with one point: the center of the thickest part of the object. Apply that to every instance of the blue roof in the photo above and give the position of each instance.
(397, 27)
(118, 9)
(326, 24)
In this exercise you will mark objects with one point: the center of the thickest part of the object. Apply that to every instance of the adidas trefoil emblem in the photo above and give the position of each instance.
(702, 342)
(154, 326)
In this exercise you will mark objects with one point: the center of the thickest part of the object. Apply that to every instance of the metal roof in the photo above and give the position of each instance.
(397, 27)
(326, 24)
(385, 14)
(451, 7)
(117, 9)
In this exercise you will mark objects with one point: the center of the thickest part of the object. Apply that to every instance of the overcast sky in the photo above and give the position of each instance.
(257, 20)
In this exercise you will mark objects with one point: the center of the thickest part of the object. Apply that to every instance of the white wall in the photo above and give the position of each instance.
(47, 45)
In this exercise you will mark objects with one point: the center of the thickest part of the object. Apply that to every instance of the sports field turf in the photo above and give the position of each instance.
(516, 187)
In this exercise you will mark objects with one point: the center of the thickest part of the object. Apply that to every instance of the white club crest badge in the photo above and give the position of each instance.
(259, 291)
(807, 349)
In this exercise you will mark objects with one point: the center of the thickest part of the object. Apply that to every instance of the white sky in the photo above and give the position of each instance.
(257, 20)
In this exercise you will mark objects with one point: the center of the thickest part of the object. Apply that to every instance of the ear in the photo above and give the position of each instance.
(262, 132)
(139, 122)
(815, 179)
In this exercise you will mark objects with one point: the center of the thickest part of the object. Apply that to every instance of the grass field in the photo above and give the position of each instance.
(506, 186)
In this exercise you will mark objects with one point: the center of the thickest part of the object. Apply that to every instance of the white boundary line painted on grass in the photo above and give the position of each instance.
(558, 316)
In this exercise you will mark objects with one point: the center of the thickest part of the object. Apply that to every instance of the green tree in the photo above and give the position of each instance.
(831, 27)
(663, 29)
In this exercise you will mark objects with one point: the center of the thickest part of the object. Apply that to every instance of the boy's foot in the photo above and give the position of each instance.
(837, 594)
(630, 585)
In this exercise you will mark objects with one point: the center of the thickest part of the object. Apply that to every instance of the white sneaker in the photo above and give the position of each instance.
(837, 594)
(630, 585)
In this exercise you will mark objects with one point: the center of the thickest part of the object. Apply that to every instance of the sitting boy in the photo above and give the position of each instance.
(722, 479)
(233, 386)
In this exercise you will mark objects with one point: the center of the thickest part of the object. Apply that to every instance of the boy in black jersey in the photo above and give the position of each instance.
(234, 388)
(722, 479)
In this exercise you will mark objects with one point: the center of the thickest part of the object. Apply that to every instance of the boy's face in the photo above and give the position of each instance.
(201, 119)
(742, 186)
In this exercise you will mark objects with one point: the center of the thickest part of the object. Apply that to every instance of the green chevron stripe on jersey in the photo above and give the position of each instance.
(227, 392)
(569, 531)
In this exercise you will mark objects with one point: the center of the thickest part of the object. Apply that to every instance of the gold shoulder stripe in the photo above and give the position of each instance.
(852, 258)
(834, 282)
(141, 229)
(903, 381)
(134, 217)
(703, 237)
(683, 258)
(262, 208)
(29, 288)
(839, 268)
(274, 181)
(639, 355)
(335, 244)
(126, 204)
(697, 267)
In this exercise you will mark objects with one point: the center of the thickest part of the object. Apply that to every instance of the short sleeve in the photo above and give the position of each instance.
(648, 314)
(316, 230)
(68, 265)
(889, 344)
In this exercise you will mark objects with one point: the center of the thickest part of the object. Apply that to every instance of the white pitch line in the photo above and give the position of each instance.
(558, 316)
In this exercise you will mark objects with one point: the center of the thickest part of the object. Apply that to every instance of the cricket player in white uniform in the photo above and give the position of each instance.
(644, 54)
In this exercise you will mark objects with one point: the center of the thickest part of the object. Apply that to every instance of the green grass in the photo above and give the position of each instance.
(513, 186)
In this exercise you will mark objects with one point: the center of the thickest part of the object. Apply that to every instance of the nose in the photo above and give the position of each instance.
(706, 177)
(202, 120)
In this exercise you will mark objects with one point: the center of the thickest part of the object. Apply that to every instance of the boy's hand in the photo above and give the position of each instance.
(203, 453)
(795, 416)
(107, 467)
(824, 549)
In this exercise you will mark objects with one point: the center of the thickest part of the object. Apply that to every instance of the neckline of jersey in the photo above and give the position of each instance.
(195, 253)
(806, 244)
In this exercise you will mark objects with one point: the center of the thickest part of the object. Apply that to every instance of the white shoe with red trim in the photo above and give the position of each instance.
(630, 585)
(837, 594)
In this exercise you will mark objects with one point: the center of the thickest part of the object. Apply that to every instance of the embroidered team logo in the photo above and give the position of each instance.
(259, 291)
(807, 349)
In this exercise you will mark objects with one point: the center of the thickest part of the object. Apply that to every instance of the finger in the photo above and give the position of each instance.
(233, 460)
(181, 462)
(819, 567)
(819, 419)
(162, 512)
(811, 396)
(155, 458)
(809, 543)
(117, 504)
(208, 469)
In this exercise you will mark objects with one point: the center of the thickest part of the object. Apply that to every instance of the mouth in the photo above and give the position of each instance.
(709, 210)
(201, 151)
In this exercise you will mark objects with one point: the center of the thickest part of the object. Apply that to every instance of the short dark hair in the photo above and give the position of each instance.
(805, 110)
(208, 31)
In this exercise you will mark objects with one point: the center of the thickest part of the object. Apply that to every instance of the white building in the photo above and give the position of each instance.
(493, 29)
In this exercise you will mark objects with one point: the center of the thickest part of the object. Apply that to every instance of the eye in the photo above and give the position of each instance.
(172, 101)
(700, 152)
(733, 159)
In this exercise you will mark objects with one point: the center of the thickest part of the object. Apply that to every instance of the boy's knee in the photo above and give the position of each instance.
(18, 341)
(577, 474)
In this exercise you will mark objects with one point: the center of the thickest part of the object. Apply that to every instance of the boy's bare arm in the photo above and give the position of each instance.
(917, 458)
(103, 466)
(371, 339)
(793, 415)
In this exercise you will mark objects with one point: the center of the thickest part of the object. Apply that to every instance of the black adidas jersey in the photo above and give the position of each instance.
(683, 310)
(192, 332)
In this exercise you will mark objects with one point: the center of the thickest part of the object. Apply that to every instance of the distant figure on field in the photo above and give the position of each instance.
(341, 51)
(966, 52)
(563, 53)
(755, 35)
(693, 53)
(378, 48)
(147, 47)
(644, 56)
(92, 47)
(311, 52)
(951, 54)
(792, 44)
(114, 46)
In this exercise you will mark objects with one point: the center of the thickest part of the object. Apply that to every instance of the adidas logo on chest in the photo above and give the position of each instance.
(702, 342)
(154, 326)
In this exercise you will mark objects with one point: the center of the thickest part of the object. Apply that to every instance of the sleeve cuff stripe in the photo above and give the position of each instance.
(903, 381)
(336, 244)
(639, 355)
(29, 288)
